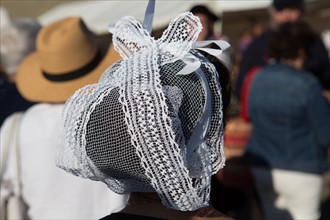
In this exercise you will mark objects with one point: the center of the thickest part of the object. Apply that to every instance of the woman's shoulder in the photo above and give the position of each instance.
(42, 115)
(44, 109)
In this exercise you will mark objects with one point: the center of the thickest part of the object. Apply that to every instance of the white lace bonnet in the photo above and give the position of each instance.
(153, 122)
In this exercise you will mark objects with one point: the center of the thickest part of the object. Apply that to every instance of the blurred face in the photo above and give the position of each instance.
(286, 15)
(206, 25)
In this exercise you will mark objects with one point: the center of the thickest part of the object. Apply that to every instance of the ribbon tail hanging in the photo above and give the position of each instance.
(149, 16)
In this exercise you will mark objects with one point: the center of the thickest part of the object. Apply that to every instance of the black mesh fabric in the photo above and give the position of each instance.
(109, 143)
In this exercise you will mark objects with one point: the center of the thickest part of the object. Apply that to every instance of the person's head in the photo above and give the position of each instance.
(17, 40)
(207, 18)
(291, 43)
(284, 11)
(67, 57)
(155, 120)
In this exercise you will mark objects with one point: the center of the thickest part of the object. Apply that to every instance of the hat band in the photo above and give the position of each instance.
(76, 73)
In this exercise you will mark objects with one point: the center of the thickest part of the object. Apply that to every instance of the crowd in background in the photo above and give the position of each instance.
(280, 88)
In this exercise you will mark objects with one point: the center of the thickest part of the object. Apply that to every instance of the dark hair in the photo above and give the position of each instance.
(279, 5)
(290, 38)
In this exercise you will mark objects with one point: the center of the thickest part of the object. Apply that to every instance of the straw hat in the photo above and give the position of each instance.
(67, 58)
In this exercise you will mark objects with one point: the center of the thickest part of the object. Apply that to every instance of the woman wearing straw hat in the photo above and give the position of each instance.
(67, 57)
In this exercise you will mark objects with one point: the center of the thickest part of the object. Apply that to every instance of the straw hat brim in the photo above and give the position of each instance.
(33, 86)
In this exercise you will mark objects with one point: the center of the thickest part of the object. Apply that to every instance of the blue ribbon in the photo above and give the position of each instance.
(198, 136)
(149, 16)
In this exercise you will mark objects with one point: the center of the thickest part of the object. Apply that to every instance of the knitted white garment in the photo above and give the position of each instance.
(132, 129)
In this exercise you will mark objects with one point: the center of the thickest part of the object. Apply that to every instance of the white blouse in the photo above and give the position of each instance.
(50, 192)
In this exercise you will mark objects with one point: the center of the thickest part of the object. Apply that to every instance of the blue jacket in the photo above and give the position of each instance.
(291, 120)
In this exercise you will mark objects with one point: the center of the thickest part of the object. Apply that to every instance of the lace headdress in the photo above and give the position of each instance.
(153, 122)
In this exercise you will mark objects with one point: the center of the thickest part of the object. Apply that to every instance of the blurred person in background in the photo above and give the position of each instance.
(17, 40)
(252, 30)
(67, 57)
(291, 125)
(283, 11)
(208, 20)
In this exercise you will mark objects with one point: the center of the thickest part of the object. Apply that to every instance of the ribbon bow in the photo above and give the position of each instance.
(129, 37)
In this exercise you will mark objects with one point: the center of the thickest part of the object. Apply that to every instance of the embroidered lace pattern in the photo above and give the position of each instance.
(130, 130)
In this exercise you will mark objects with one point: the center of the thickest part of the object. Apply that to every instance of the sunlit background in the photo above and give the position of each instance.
(237, 15)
